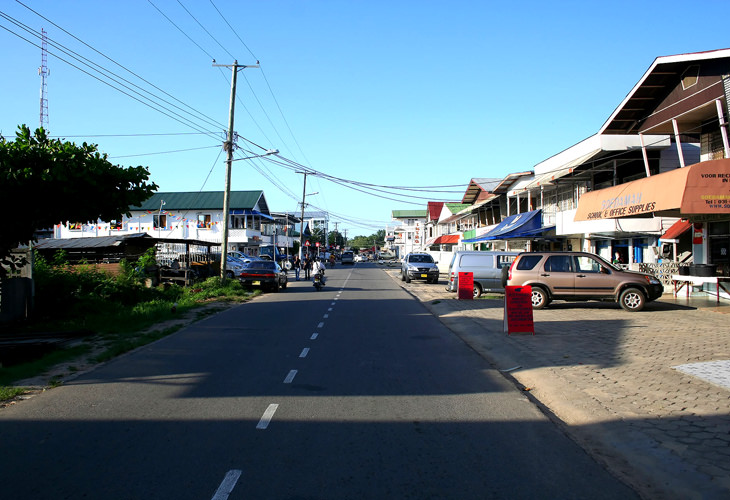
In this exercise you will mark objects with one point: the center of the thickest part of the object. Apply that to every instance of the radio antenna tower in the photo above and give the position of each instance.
(43, 71)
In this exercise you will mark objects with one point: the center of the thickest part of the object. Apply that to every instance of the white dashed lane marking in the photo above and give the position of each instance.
(227, 485)
(290, 377)
(267, 416)
(304, 352)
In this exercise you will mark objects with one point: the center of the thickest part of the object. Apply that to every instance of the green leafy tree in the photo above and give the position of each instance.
(335, 238)
(377, 238)
(45, 181)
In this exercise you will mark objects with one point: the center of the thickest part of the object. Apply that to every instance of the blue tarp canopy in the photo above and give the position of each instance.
(248, 211)
(523, 225)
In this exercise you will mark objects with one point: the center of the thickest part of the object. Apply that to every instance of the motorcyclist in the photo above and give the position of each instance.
(318, 268)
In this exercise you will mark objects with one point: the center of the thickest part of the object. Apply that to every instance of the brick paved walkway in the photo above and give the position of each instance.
(610, 377)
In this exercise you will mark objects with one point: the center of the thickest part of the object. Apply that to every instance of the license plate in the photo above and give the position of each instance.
(255, 283)
(424, 276)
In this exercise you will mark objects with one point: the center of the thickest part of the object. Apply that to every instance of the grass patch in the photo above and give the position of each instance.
(10, 392)
(128, 343)
(119, 313)
(9, 374)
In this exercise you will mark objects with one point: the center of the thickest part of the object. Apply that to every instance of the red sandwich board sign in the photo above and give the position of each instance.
(518, 310)
(466, 286)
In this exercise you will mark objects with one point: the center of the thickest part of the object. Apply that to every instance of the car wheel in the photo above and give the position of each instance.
(477, 291)
(275, 287)
(285, 284)
(402, 276)
(408, 279)
(540, 297)
(229, 275)
(632, 299)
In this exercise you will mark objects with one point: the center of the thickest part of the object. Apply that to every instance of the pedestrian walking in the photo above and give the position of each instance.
(307, 267)
(297, 265)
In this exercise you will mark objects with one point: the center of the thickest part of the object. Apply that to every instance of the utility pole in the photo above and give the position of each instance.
(336, 232)
(228, 146)
(301, 222)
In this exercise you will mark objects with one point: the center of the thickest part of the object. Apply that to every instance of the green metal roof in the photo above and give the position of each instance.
(205, 200)
(405, 214)
(456, 207)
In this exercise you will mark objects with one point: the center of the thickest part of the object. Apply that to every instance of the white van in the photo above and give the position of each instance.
(486, 267)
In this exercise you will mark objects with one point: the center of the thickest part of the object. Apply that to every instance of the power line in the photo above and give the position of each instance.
(167, 152)
(141, 99)
(119, 65)
(181, 31)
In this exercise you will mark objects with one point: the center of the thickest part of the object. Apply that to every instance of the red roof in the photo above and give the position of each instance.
(676, 230)
(434, 209)
(447, 239)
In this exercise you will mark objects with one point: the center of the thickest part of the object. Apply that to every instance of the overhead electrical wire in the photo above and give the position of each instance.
(141, 99)
(370, 189)
(166, 152)
(201, 114)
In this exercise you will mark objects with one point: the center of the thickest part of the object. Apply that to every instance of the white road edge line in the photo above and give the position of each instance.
(227, 485)
(290, 377)
(314, 336)
(304, 353)
(267, 416)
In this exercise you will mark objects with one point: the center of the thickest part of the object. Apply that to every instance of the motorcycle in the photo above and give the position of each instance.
(318, 281)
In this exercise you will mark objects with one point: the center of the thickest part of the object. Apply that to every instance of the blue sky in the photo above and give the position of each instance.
(394, 93)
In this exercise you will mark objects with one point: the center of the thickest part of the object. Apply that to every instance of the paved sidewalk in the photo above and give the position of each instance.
(611, 379)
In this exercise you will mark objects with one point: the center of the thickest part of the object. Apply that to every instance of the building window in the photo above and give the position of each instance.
(204, 221)
(719, 245)
(159, 221)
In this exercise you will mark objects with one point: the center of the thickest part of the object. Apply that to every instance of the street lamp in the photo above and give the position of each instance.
(227, 203)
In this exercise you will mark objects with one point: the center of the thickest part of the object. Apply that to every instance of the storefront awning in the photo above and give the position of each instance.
(676, 230)
(515, 226)
(447, 239)
(702, 188)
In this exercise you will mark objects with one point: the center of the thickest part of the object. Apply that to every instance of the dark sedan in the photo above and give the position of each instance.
(264, 273)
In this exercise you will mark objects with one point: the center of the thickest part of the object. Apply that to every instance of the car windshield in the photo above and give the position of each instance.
(421, 259)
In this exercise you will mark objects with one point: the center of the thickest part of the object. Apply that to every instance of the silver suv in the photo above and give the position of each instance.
(419, 265)
(581, 276)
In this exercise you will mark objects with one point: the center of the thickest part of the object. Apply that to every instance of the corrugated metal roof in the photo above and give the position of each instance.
(93, 242)
(400, 214)
(205, 200)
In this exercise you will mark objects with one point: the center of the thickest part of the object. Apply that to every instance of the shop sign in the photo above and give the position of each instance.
(466, 286)
(697, 233)
(518, 310)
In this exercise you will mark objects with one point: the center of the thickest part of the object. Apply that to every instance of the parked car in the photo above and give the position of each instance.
(347, 257)
(264, 273)
(419, 265)
(234, 266)
(360, 258)
(244, 257)
(486, 268)
(581, 276)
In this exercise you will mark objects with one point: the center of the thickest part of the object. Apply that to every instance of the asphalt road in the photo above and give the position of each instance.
(352, 392)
